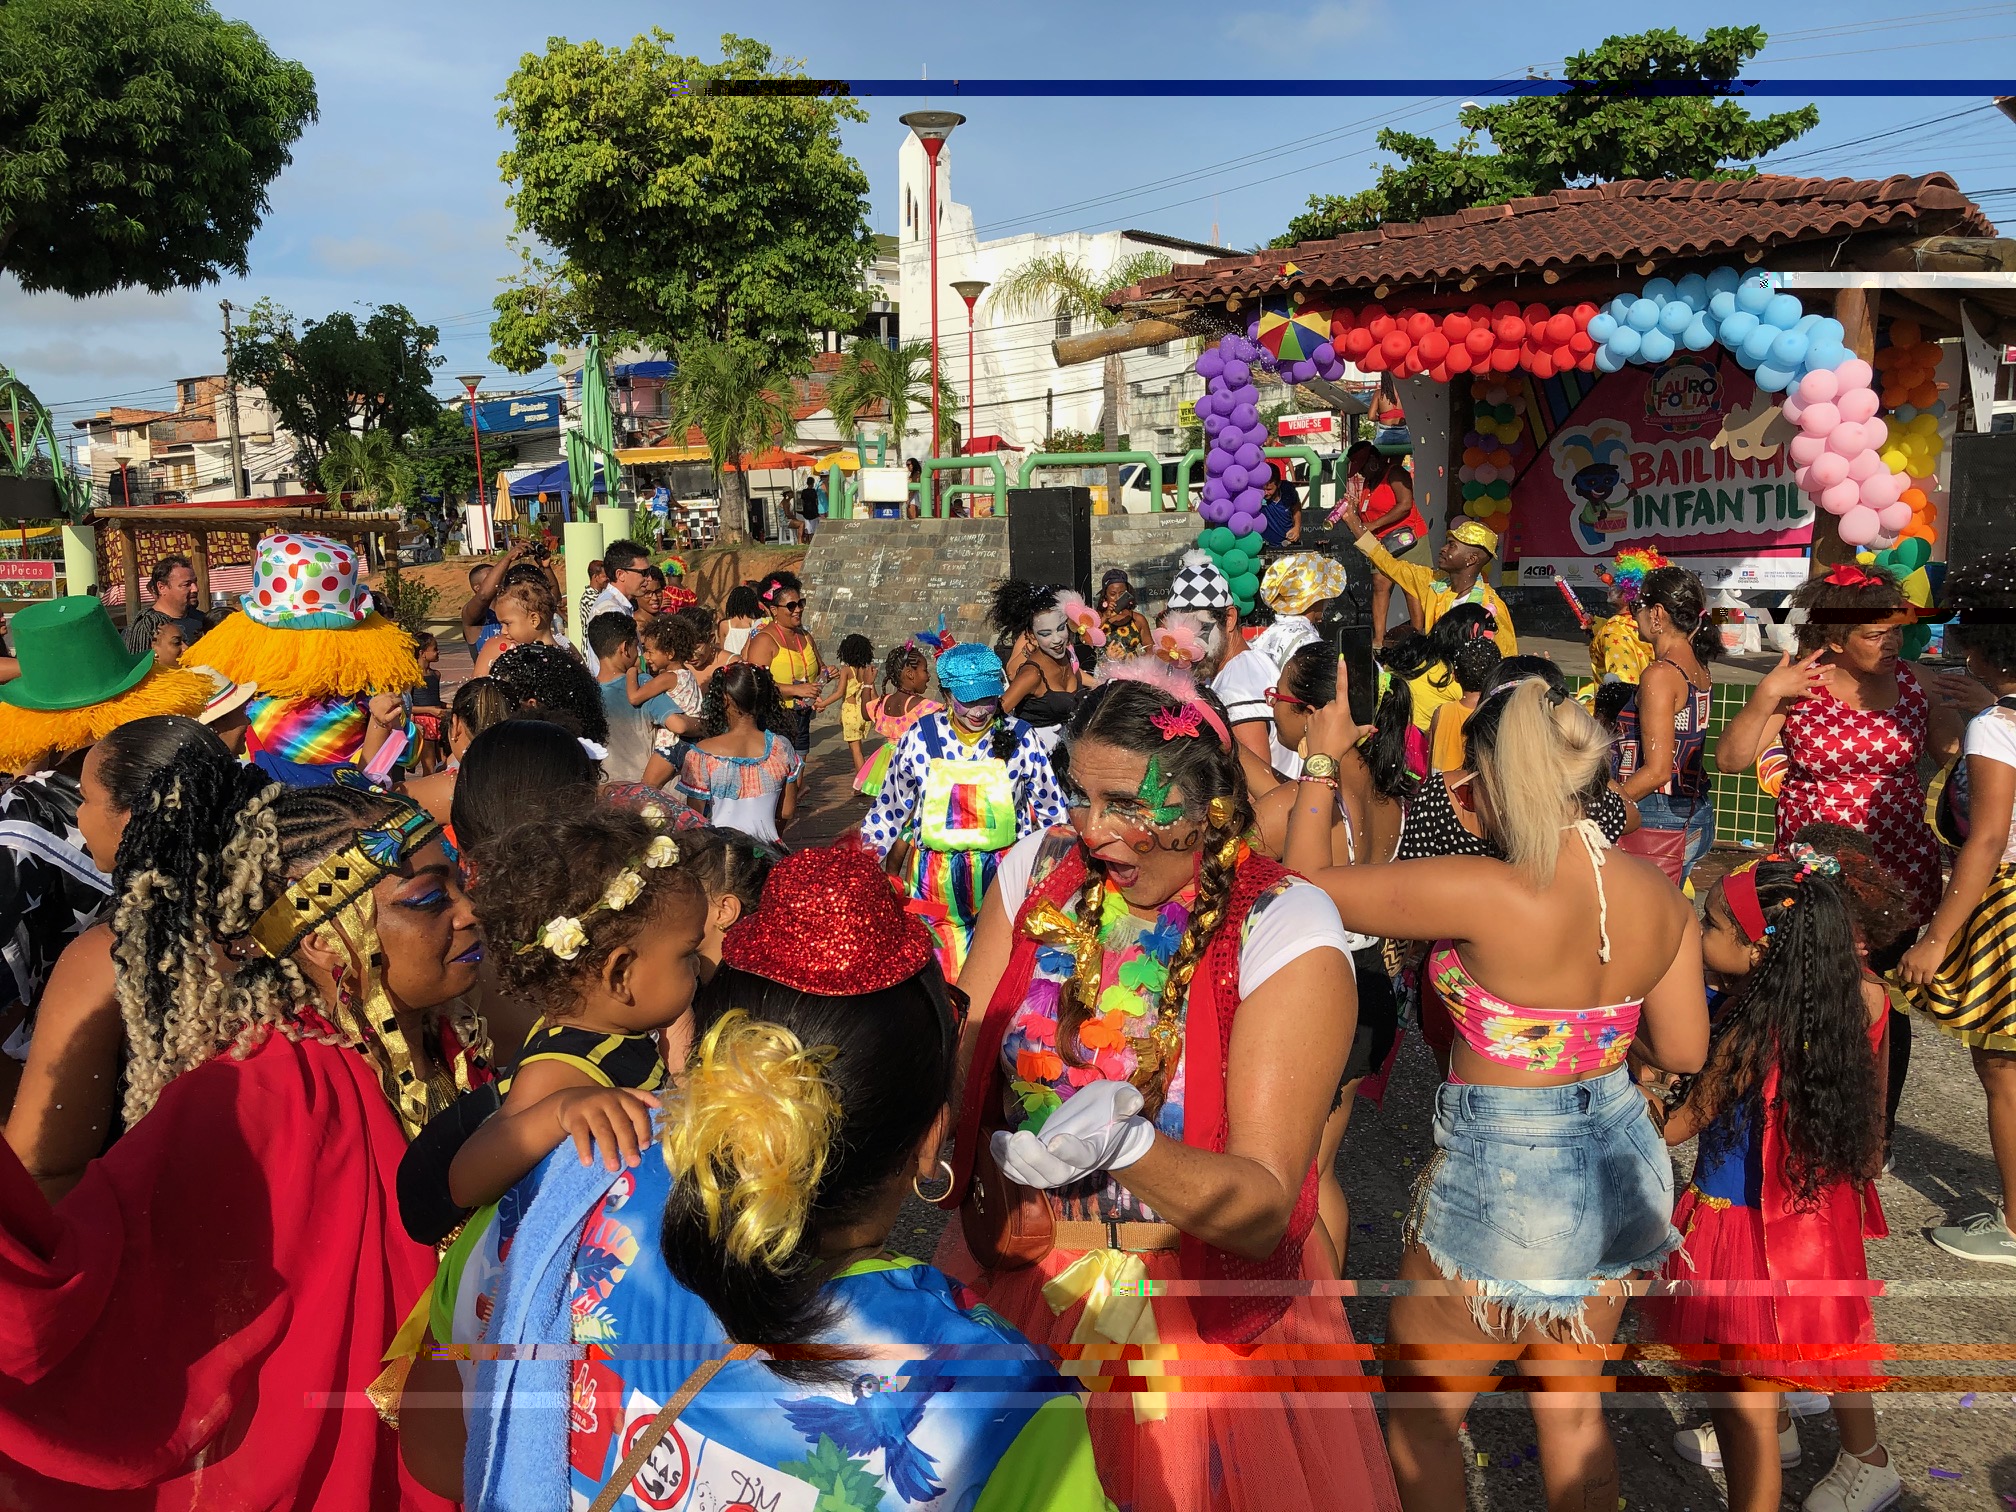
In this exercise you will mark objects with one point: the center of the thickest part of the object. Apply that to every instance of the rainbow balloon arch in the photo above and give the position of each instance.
(1874, 475)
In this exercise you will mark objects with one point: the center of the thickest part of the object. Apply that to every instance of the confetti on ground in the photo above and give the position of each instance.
(1945, 1474)
(1483, 1459)
(1967, 1400)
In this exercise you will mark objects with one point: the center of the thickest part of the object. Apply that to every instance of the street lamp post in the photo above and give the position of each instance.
(969, 289)
(469, 382)
(932, 127)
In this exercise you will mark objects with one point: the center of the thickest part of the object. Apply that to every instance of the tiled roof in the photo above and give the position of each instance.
(1572, 229)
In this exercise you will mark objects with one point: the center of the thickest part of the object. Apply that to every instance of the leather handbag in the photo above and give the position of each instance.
(1007, 1225)
(1664, 848)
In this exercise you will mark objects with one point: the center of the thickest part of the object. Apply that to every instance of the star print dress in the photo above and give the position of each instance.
(947, 1406)
(1859, 767)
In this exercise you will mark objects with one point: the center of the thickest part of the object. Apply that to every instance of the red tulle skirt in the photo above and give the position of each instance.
(1828, 1338)
(1284, 1424)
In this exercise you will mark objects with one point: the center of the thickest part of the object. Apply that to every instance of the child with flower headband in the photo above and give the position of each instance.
(1789, 1112)
(608, 946)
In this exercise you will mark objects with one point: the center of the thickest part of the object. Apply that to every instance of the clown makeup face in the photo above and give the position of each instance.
(1131, 821)
(976, 716)
(1210, 631)
(1052, 633)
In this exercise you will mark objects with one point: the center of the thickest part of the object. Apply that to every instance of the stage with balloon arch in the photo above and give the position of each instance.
(1706, 404)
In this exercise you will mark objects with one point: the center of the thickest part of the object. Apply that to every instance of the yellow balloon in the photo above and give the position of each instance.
(1923, 425)
(1895, 458)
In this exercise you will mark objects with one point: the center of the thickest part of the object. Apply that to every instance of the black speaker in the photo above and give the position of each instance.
(1050, 536)
(1981, 514)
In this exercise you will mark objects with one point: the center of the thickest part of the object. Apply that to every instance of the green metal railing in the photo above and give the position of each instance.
(1302, 454)
(988, 461)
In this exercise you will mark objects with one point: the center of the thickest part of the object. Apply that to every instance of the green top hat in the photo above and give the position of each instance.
(71, 657)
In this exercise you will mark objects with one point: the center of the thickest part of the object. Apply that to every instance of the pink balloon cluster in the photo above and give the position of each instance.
(1838, 453)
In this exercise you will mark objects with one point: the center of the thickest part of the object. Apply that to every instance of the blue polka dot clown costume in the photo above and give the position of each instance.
(318, 650)
(964, 784)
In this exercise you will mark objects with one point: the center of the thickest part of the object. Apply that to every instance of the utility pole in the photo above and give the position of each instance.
(241, 487)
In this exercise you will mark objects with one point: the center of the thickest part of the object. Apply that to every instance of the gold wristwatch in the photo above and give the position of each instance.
(1320, 767)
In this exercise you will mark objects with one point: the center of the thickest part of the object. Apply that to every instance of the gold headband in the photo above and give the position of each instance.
(337, 881)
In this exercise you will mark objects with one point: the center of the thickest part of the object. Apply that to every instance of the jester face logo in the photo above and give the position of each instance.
(1589, 461)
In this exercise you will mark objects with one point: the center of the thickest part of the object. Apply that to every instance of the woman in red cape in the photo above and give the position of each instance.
(1170, 1145)
(202, 1321)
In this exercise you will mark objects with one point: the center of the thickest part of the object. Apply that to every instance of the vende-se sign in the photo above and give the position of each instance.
(1306, 425)
(27, 572)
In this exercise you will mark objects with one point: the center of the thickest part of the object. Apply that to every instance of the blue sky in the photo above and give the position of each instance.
(394, 193)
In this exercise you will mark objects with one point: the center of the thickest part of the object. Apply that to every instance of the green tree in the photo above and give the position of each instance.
(737, 395)
(1056, 284)
(335, 374)
(137, 141)
(675, 211)
(1587, 135)
(370, 469)
(443, 455)
(892, 380)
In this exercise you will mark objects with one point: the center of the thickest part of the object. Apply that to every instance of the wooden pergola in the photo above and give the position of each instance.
(199, 521)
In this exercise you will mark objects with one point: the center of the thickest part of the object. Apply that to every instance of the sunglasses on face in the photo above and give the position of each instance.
(795, 606)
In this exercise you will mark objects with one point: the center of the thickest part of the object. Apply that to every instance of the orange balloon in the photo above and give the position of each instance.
(1919, 532)
(1906, 333)
(1500, 458)
(1473, 456)
(1915, 497)
(1925, 395)
(1885, 359)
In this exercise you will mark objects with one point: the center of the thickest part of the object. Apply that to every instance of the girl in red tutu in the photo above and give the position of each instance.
(1789, 1115)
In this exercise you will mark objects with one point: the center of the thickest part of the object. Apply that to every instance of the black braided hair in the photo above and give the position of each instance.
(1801, 1011)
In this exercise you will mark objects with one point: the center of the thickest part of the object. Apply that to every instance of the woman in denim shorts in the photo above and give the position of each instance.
(1549, 1187)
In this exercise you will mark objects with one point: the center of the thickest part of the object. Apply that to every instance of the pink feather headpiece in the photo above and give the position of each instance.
(1082, 617)
(1180, 686)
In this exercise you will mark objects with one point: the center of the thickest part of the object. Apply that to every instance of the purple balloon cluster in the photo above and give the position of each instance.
(1234, 468)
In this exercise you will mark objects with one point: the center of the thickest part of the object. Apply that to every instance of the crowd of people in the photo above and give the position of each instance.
(418, 1095)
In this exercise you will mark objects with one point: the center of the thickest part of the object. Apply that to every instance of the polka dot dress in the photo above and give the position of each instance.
(1859, 767)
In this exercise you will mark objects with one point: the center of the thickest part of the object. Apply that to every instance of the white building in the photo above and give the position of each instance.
(1020, 393)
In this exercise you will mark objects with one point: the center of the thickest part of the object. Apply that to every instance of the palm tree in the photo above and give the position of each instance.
(1058, 284)
(875, 376)
(368, 468)
(736, 396)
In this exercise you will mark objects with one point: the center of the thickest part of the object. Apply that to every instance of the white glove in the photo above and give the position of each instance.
(1099, 1128)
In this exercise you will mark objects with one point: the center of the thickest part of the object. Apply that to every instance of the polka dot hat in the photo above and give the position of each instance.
(305, 582)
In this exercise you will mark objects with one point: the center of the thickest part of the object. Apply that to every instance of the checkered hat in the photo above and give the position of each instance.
(1200, 585)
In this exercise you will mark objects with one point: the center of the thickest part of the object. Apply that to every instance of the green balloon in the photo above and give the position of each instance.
(1499, 490)
(1473, 491)
(1218, 540)
(1252, 543)
(1235, 563)
(1245, 586)
(1908, 555)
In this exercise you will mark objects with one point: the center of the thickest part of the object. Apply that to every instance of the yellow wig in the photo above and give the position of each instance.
(375, 657)
(28, 733)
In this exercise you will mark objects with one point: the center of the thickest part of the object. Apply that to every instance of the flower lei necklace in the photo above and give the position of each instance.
(1141, 977)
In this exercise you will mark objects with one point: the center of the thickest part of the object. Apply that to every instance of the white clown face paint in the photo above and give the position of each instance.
(1051, 632)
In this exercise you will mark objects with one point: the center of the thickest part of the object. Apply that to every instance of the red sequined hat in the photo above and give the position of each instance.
(830, 924)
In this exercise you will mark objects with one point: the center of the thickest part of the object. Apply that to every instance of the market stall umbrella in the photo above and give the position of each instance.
(846, 461)
(1293, 337)
(595, 438)
(773, 460)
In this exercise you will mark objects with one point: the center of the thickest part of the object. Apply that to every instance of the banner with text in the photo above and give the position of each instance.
(1687, 456)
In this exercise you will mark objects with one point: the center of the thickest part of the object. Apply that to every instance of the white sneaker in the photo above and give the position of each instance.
(1805, 1404)
(1855, 1485)
(1698, 1446)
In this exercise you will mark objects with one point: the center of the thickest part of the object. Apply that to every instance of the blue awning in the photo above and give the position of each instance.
(644, 370)
(550, 480)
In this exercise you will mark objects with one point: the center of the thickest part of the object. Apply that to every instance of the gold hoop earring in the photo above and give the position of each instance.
(950, 1181)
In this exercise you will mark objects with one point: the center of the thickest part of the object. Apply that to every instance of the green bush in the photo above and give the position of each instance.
(407, 603)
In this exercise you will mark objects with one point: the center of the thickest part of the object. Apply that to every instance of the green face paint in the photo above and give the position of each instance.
(1154, 794)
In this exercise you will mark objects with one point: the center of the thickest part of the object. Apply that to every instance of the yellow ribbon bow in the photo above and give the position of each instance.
(1117, 1311)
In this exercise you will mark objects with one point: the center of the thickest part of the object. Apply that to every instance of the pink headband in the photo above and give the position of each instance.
(1178, 685)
